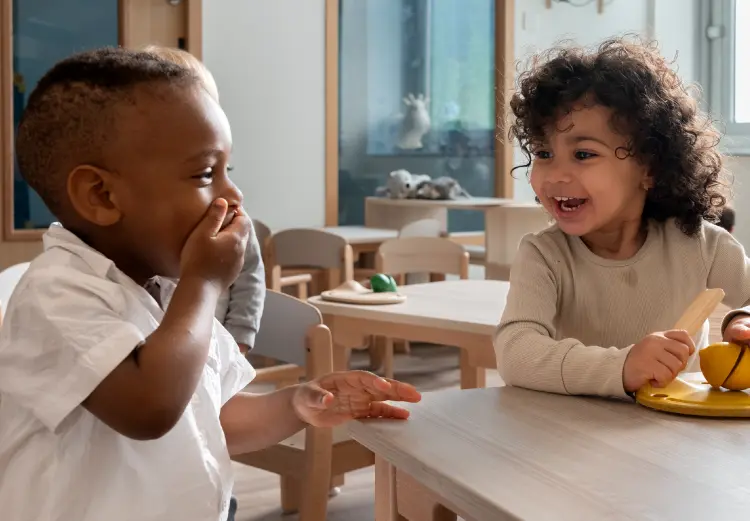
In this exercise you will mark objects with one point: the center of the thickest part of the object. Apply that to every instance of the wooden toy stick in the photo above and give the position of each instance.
(699, 311)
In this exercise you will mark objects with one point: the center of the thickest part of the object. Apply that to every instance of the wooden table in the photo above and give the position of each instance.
(507, 453)
(363, 239)
(461, 313)
(506, 222)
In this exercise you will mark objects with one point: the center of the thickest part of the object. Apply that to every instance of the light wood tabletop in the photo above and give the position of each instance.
(362, 234)
(470, 305)
(508, 453)
(461, 313)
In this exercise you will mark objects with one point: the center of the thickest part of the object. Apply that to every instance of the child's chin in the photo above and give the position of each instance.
(575, 229)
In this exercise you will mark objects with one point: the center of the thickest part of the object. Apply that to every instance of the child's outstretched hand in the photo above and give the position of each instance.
(338, 397)
(738, 330)
(657, 359)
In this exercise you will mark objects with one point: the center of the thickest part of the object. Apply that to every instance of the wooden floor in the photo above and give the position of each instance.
(428, 368)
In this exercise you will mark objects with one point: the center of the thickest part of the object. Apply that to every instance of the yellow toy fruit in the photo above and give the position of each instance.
(739, 379)
(726, 365)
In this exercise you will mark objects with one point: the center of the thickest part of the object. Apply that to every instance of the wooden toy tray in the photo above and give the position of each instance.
(689, 394)
(353, 292)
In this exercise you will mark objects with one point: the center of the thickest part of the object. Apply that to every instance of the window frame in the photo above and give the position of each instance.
(718, 25)
(504, 78)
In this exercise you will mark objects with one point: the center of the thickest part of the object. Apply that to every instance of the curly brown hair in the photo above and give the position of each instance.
(651, 106)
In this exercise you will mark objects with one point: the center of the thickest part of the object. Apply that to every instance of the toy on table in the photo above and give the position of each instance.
(382, 283)
(402, 184)
(384, 291)
(726, 365)
(718, 390)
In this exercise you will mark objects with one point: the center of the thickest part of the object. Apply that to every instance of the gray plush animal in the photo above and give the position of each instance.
(442, 188)
(402, 185)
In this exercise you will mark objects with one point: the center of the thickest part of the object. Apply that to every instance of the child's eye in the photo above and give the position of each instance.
(542, 154)
(206, 175)
(581, 155)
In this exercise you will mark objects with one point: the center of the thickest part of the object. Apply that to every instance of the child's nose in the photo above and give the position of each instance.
(233, 196)
(559, 172)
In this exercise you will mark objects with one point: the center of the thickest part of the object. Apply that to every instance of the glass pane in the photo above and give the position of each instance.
(741, 62)
(416, 92)
(44, 32)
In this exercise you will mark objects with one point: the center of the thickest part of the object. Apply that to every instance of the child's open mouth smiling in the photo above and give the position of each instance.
(569, 206)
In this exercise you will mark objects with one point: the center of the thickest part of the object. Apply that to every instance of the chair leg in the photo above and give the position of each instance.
(401, 346)
(336, 483)
(388, 358)
(291, 492)
(317, 481)
(376, 352)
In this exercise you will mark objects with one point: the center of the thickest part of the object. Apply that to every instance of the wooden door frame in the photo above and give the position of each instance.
(194, 37)
(504, 78)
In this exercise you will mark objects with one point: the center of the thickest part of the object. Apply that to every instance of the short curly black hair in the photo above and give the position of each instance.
(651, 106)
(71, 116)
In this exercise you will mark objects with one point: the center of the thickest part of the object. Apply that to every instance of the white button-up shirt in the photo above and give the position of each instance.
(71, 320)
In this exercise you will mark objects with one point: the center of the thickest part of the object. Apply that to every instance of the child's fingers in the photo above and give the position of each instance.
(661, 374)
(386, 410)
(737, 332)
(404, 392)
(316, 397)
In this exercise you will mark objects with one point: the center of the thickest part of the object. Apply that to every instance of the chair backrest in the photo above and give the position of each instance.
(422, 255)
(421, 228)
(263, 233)
(9, 278)
(285, 328)
(310, 248)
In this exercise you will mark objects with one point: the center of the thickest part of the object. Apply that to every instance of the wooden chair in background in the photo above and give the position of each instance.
(420, 228)
(298, 281)
(313, 460)
(433, 255)
(325, 259)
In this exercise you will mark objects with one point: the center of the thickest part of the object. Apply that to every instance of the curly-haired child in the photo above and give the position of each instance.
(629, 169)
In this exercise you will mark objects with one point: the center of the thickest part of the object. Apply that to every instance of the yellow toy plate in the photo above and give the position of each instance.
(689, 394)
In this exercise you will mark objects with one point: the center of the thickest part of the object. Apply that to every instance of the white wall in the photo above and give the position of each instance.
(739, 167)
(669, 21)
(268, 59)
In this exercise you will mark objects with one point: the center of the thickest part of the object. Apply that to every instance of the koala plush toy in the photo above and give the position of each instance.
(402, 184)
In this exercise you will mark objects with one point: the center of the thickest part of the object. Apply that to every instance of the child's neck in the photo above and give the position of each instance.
(618, 242)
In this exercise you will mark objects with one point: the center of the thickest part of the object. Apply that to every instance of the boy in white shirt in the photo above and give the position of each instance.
(115, 404)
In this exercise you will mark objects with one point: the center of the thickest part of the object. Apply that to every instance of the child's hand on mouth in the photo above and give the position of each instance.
(215, 250)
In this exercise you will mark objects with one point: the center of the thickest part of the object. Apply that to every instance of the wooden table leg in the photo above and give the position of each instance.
(341, 356)
(472, 377)
(385, 491)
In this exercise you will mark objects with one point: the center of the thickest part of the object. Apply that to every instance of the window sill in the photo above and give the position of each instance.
(735, 145)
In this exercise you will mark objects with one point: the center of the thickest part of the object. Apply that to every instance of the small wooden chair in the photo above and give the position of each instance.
(433, 255)
(420, 228)
(313, 251)
(310, 461)
(263, 233)
(299, 281)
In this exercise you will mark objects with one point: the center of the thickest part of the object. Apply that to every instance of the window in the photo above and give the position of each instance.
(727, 69)
(416, 92)
(44, 33)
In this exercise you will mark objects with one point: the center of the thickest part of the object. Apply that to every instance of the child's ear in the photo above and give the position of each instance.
(648, 182)
(91, 192)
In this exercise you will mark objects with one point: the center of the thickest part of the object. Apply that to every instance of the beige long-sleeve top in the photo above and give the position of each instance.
(571, 316)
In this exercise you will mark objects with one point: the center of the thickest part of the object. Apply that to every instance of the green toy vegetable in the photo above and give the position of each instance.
(382, 283)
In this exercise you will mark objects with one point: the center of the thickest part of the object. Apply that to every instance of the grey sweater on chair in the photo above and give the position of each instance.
(239, 309)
